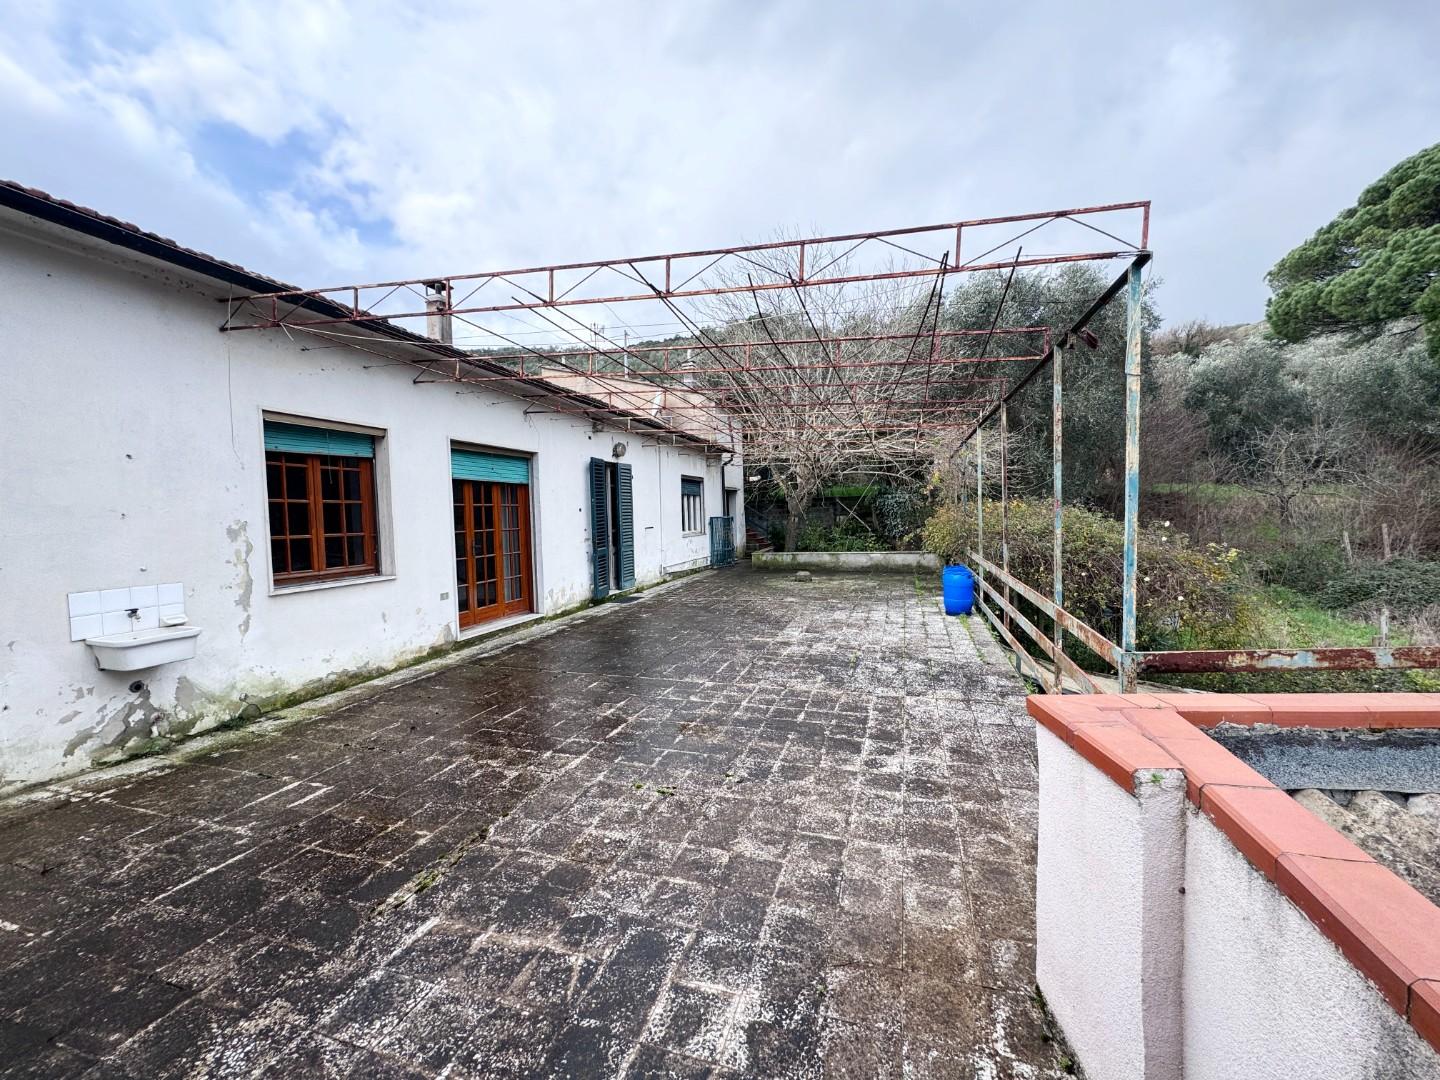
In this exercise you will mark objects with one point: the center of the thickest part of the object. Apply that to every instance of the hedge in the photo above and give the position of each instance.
(1188, 598)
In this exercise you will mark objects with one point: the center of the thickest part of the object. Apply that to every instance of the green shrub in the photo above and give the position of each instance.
(1188, 598)
(847, 491)
(900, 514)
(848, 535)
(1306, 567)
(1404, 585)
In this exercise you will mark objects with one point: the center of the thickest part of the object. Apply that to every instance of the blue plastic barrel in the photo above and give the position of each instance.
(958, 585)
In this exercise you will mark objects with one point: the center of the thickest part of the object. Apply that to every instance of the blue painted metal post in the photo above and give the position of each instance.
(1057, 444)
(980, 505)
(1005, 504)
(1132, 479)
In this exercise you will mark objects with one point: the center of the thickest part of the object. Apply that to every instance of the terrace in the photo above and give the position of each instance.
(742, 826)
(746, 824)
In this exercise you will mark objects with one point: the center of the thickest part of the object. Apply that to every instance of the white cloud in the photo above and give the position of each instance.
(468, 137)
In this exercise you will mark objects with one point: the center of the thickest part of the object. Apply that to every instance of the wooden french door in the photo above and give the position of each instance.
(492, 549)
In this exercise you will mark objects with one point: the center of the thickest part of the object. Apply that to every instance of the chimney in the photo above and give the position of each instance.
(437, 303)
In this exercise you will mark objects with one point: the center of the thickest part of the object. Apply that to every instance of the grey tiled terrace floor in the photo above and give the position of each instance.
(745, 826)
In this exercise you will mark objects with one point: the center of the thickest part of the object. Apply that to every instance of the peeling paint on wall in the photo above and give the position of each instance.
(239, 534)
(117, 729)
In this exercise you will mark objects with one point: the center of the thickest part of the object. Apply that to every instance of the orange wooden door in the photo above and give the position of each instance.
(492, 550)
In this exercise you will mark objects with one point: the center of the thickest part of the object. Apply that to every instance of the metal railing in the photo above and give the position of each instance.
(1171, 661)
(998, 588)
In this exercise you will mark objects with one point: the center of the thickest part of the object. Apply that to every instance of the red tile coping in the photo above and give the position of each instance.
(1425, 1009)
(1120, 751)
(1382, 925)
(1387, 929)
(1266, 823)
(1301, 710)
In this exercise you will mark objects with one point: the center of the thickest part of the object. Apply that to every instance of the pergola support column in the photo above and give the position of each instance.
(1128, 626)
(1057, 446)
(1005, 501)
(980, 502)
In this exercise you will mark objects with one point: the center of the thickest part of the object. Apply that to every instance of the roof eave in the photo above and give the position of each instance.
(133, 239)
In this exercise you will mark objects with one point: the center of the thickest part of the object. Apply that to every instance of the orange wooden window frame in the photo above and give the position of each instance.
(314, 500)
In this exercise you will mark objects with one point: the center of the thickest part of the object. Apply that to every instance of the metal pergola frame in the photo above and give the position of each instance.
(547, 279)
(784, 373)
(652, 386)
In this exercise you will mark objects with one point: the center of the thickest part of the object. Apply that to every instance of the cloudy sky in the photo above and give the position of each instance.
(327, 142)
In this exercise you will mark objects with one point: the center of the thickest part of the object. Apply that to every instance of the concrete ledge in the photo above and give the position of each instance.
(1302, 955)
(849, 562)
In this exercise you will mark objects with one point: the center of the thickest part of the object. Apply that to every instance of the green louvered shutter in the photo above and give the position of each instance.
(627, 526)
(297, 439)
(599, 530)
(501, 468)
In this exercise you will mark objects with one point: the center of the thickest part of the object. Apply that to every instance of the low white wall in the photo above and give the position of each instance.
(855, 562)
(1107, 911)
(1223, 979)
(1267, 995)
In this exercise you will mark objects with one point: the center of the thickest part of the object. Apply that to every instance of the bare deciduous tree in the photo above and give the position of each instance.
(1193, 338)
(1289, 464)
(826, 380)
(1397, 487)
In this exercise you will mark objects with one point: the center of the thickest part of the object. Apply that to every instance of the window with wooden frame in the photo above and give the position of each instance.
(692, 505)
(321, 488)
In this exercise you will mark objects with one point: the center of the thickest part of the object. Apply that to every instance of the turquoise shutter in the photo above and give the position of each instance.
(599, 530)
(500, 468)
(295, 439)
(624, 487)
(690, 486)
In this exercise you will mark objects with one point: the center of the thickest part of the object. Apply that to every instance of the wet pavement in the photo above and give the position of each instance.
(743, 826)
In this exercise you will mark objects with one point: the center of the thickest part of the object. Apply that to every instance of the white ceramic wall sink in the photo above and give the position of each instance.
(139, 649)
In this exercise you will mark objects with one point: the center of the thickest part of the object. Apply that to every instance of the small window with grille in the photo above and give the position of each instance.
(692, 505)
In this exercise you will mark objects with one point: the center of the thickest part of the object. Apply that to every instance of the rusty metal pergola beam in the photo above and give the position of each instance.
(349, 296)
(618, 357)
(818, 376)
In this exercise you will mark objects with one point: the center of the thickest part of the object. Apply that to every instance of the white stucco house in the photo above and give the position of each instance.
(319, 516)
